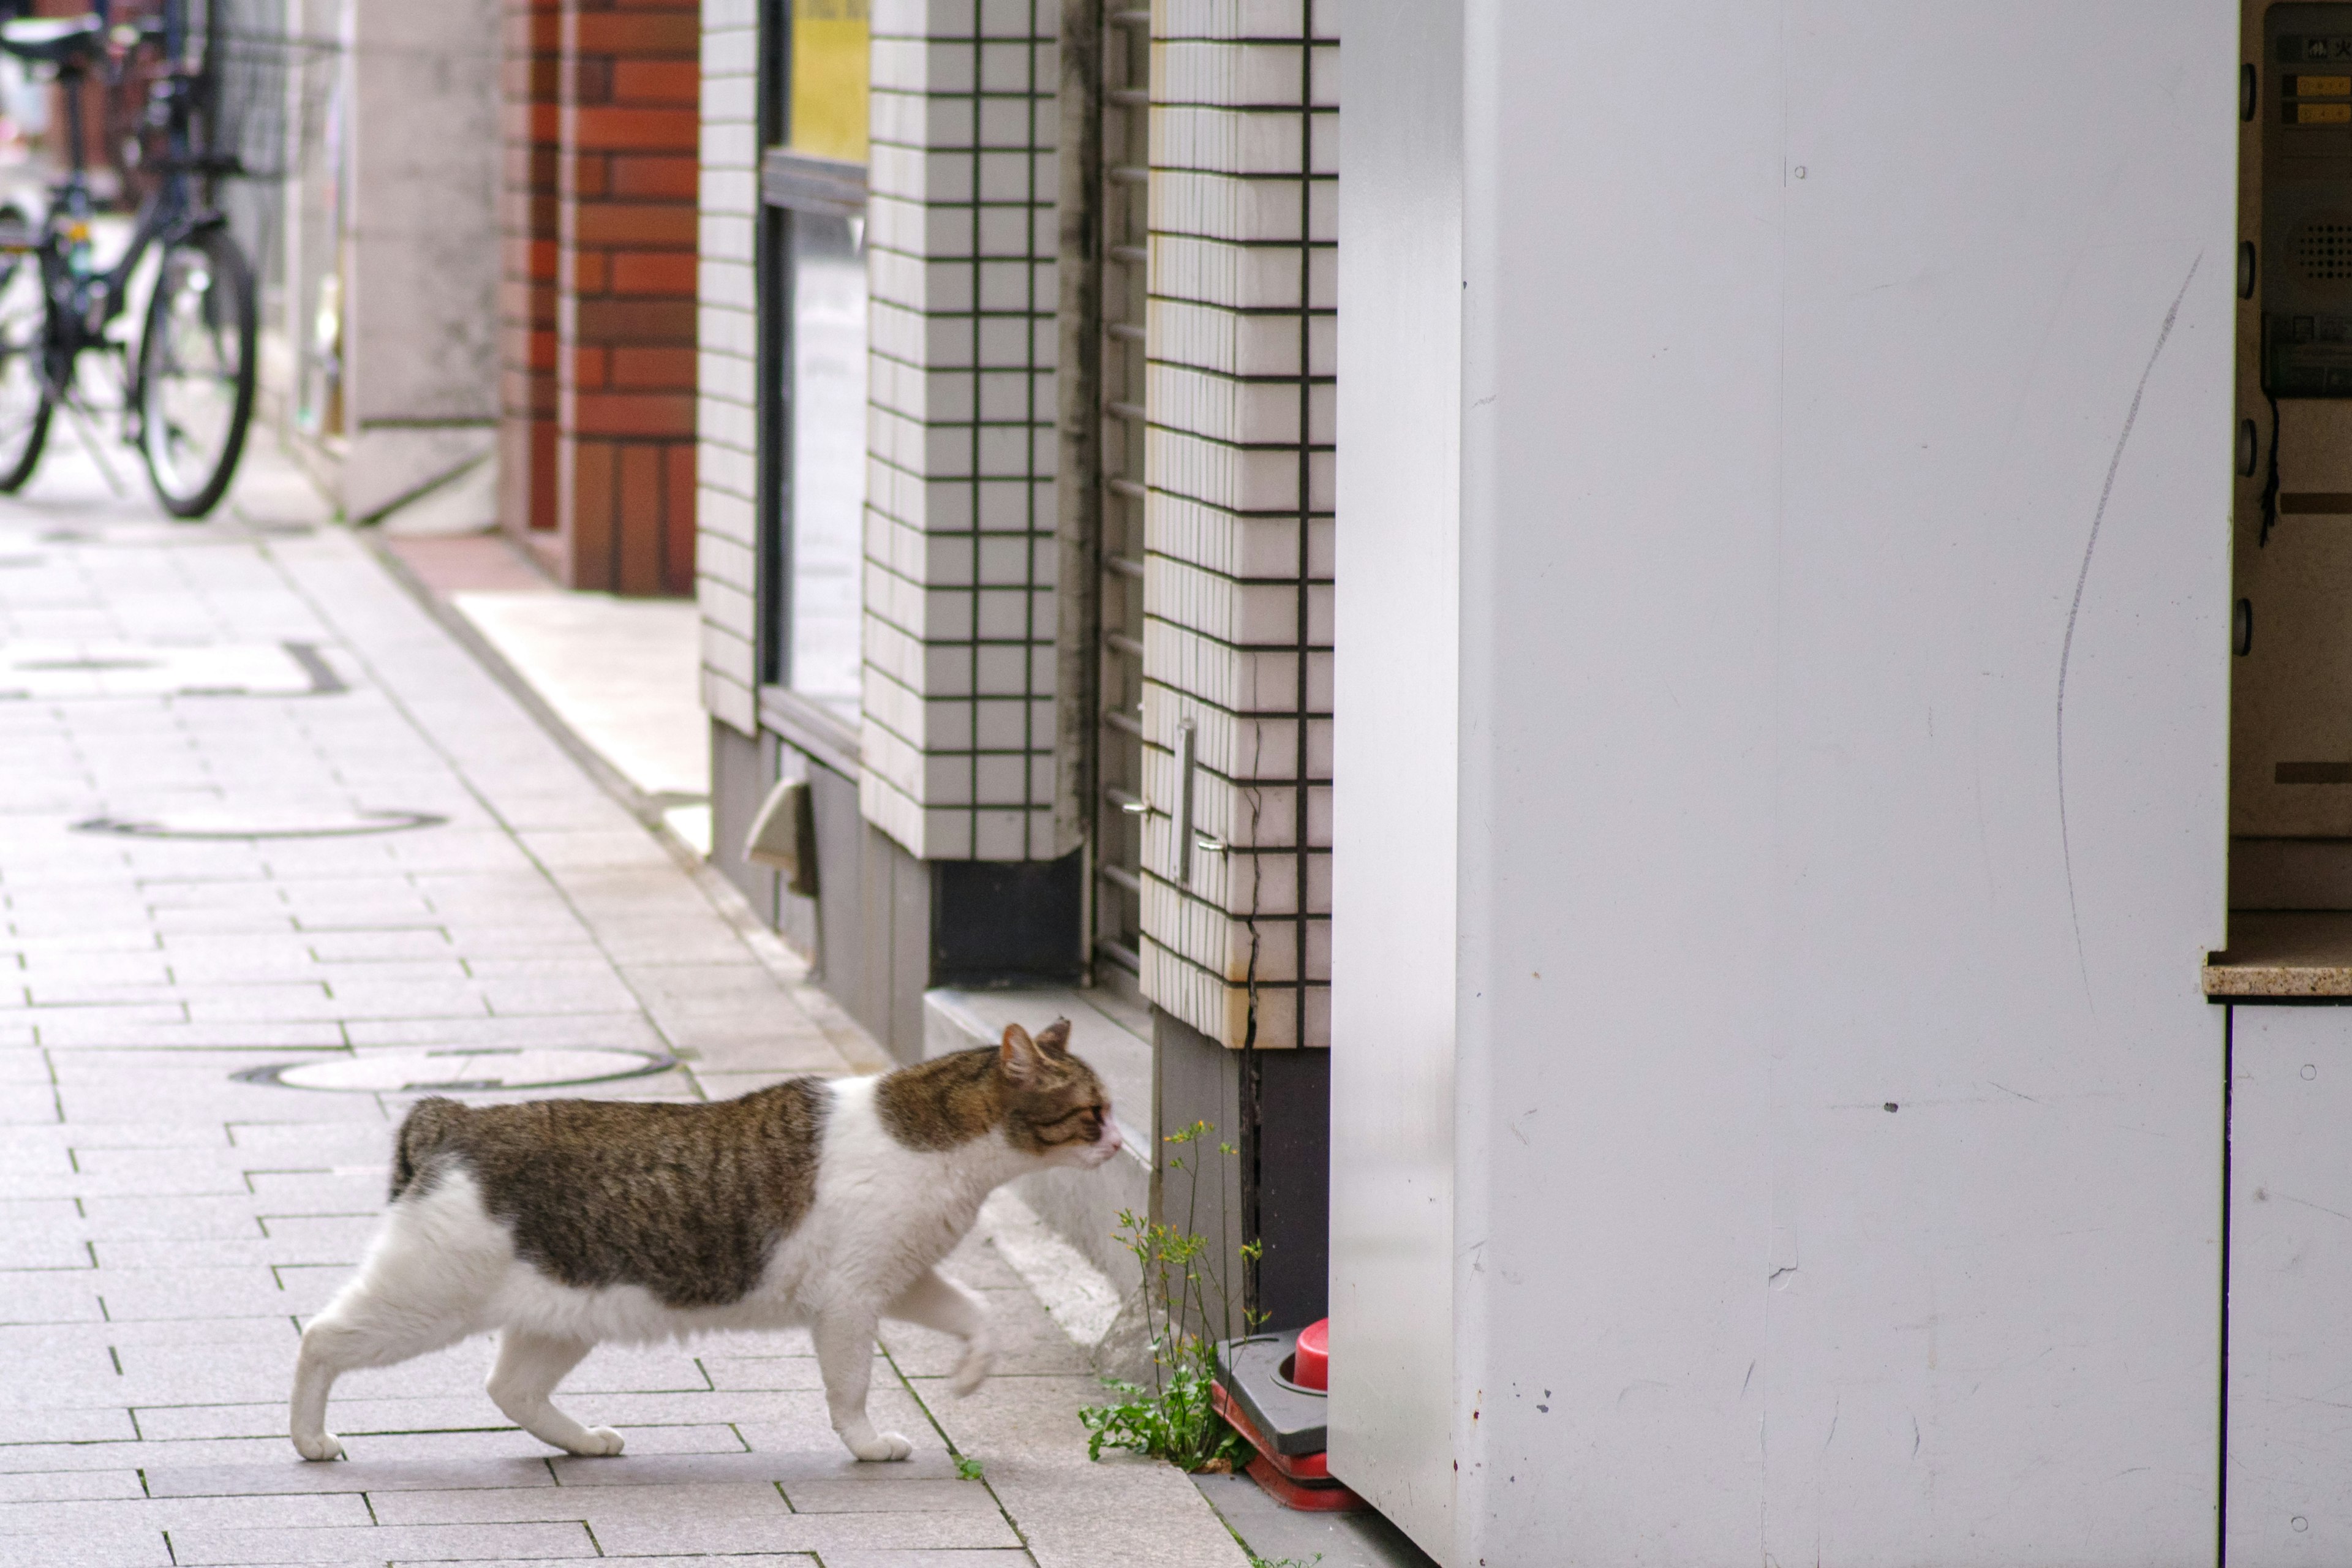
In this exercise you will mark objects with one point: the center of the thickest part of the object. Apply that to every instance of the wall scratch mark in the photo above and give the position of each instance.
(2074, 613)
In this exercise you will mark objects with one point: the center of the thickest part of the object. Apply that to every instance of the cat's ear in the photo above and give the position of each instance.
(1054, 1039)
(1019, 1055)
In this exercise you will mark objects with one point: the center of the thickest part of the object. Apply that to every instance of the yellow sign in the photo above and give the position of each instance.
(830, 71)
(2323, 86)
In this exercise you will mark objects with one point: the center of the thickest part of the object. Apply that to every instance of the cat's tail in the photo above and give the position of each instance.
(427, 1123)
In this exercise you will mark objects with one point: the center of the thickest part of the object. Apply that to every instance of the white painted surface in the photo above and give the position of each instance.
(1785, 499)
(2290, 1455)
(1393, 1406)
(622, 673)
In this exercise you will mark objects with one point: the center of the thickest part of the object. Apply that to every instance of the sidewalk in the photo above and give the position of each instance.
(325, 838)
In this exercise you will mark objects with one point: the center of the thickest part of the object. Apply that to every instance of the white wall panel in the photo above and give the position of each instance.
(1397, 657)
(1837, 1145)
(2290, 1453)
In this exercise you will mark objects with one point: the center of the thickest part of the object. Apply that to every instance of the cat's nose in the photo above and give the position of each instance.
(1112, 1141)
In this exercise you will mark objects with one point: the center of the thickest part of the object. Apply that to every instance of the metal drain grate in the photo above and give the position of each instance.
(458, 1071)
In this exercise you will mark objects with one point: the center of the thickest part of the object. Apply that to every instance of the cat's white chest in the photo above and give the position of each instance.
(882, 1213)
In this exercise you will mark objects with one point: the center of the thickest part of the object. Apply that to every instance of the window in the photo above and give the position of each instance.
(812, 190)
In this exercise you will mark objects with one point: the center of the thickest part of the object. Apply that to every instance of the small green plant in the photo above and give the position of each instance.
(1187, 1293)
(1258, 1561)
(967, 1467)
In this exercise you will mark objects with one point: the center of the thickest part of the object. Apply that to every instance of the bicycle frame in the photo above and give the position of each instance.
(92, 303)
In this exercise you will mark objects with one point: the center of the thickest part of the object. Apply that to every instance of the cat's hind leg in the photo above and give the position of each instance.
(371, 1322)
(936, 1302)
(528, 1367)
(426, 1278)
(845, 1355)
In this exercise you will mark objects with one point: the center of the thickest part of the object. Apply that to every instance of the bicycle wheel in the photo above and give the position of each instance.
(24, 390)
(196, 372)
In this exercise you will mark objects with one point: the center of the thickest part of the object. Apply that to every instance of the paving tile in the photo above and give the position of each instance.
(27, 1104)
(630, 1030)
(56, 1485)
(348, 1476)
(1028, 1342)
(318, 1239)
(889, 1495)
(189, 1294)
(375, 1544)
(64, 1296)
(373, 946)
(86, 1551)
(90, 1426)
(264, 1510)
(774, 1469)
(629, 1536)
(797, 1373)
(752, 1501)
(746, 1560)
(68, 1030)
(181, 1220)
(344, 1191)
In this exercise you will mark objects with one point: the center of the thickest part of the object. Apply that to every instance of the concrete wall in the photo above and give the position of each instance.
(1845, 446)
(420, 333)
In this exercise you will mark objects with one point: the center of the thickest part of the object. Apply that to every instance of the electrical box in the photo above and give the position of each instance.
(2307, 229)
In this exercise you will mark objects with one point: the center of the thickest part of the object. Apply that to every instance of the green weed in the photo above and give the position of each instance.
(967, 1467)
(1189, 1291)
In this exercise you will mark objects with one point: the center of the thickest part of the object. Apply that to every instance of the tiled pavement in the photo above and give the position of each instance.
(165, 1226)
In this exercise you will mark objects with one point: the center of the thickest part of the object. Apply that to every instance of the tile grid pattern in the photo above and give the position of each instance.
(1239, 513)
(727, 400)
(961, 552)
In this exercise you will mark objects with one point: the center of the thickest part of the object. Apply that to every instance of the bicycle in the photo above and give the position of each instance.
(188, 396)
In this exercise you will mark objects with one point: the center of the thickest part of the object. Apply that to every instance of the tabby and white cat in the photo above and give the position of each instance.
(564, 1223)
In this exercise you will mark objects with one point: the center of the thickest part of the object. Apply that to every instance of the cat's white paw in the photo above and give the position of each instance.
(978, 1362)
(885, 1446)
(324, 1445)
(600, 1442)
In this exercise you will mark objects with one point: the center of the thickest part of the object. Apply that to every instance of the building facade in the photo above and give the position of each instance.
(1727, 857)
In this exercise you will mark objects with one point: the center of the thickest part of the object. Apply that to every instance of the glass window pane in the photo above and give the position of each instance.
(828, 456)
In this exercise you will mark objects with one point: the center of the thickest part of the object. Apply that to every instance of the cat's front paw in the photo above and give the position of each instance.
(598, 1442)
(978, 1362)
(883, 1447)
(323, 1445)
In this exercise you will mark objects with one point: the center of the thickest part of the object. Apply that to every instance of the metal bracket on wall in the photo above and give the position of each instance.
(1184, 759)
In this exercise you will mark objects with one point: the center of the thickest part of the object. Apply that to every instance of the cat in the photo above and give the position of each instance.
(564, 1223)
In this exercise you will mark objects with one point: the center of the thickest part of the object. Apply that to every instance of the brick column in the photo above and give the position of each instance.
(527, 270)
(625, 361)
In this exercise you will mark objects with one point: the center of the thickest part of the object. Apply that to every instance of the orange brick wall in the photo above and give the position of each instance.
(627, 175)
(598, 303)
(526, 490)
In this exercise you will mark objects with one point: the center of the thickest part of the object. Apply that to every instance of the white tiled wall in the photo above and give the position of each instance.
(960, 607)
(727, 465)
(1244, 154)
